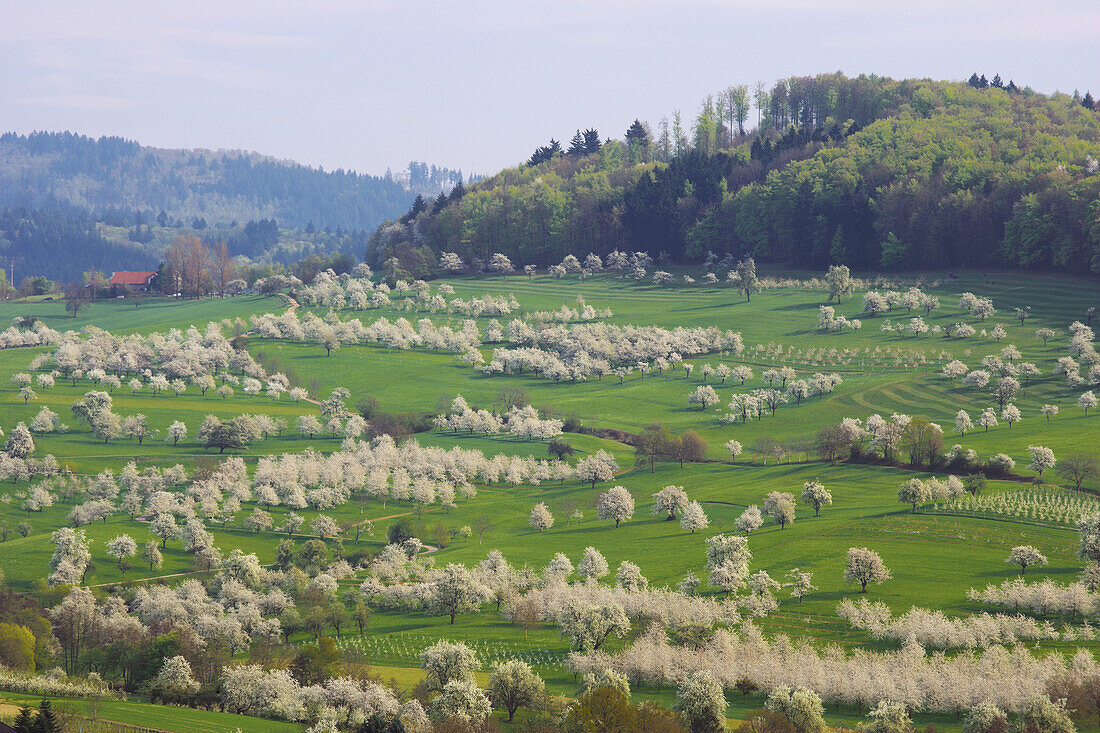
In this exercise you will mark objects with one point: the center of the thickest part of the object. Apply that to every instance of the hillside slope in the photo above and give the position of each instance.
(871, 172)
(52, 170)
(69, 203)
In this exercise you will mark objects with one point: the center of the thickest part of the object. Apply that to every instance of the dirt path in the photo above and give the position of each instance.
(294, 305)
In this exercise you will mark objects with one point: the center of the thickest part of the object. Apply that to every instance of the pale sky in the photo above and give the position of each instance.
(478, 85)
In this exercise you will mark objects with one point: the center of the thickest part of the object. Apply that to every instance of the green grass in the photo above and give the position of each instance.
(934, 559)
(158, 717)
(425, 380)
(154, 313)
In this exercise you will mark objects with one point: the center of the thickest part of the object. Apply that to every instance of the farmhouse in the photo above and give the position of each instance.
(133, 279)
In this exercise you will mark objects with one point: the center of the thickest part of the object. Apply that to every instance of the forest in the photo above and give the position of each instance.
(70, 202)
(868, 171)
(49, 170)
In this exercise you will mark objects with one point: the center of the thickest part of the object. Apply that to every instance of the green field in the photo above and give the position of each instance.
(934, 559)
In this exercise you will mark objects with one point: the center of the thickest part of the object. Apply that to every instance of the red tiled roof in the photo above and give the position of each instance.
(131, 277)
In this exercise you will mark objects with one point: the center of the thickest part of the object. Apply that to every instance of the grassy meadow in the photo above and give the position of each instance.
(934, 559)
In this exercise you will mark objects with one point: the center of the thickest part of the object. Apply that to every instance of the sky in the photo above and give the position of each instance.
(369, 84)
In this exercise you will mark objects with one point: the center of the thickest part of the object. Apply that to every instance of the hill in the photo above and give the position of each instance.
(70, 202)
(867, 171)
(111, 174)
(949, 609)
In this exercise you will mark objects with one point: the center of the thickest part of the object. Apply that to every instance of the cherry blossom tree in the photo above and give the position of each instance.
(559, 567)
(135, 426)
(175, 681)
(151, 554)
(629, 577)
(988, 419)
(735, 448)
(888, 717)
(325, 527)
(669, 501)
(120, 548)
(1005, 390)
(513, 684)
(20, 444)
(1024, 555)
(977, 379)
(451, 262)
(164, 527)
(70, 557)
(914, 492)
(1088, 533)
(728, 559)
(593, 565)
(600, 466)
(704, 396)
(865, 566)
(541, 518)
(839, 280)
(177, 431)
(801, 706)
(954, 369)
(779, 505)
(816, 495)
(589, 625)
(801, 583)
(750, 520)
(693, 517)
(500, 264)
(615, 505)
(447, 661)
(456, 590)
(308, 425)
(1042, 458)
(1041, 714)
(701, 702)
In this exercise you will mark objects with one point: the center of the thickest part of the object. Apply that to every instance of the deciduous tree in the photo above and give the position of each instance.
(865, 566)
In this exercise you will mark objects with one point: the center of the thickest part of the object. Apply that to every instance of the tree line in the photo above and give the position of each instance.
(872, 172)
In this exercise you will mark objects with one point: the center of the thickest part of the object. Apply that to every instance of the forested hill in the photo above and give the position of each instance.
(870, 172)
(67, 171)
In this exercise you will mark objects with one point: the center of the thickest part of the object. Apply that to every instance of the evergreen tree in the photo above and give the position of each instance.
(545, 152)
(636, 135)
(1088, 102)
(576, 144)
(418, 205)
(997, 81)
(24, 722)
(974, 81)
(457, 192)
(439, 203)
(591, 141)
(983, 83)
(45, 721)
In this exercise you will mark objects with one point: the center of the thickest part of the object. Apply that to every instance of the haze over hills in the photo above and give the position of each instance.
(113, 203)
(868, 171)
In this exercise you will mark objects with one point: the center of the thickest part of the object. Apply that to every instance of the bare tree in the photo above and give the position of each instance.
(1077, 468)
